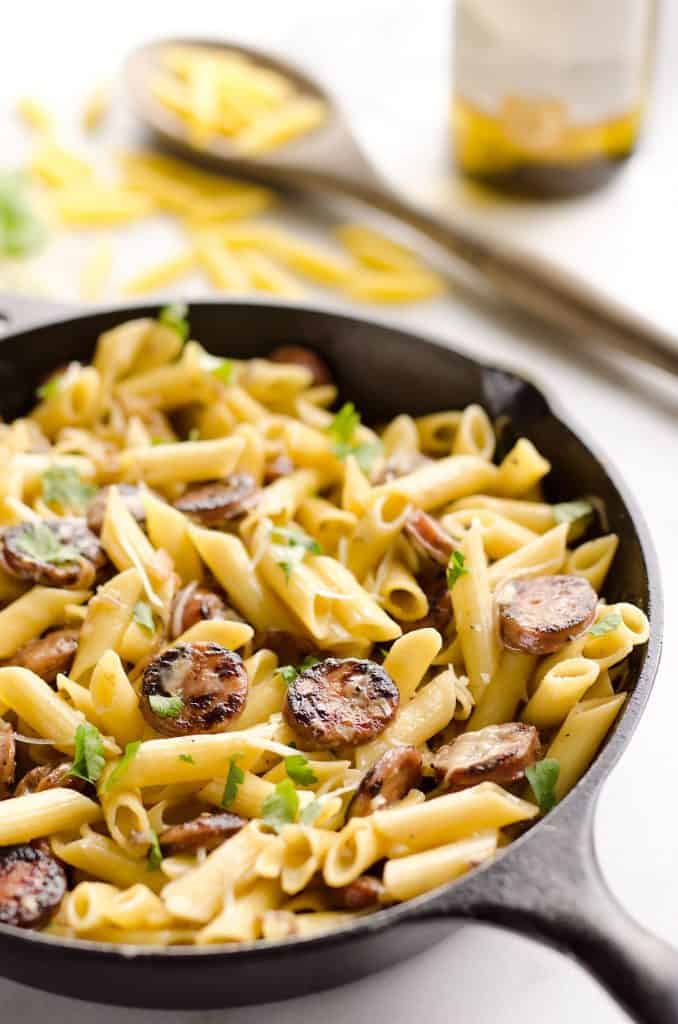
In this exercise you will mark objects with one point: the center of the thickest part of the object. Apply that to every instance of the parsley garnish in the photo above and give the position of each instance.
(154, 853)
(223, 371)
(296, 544)
(50, 388)
(89, 761)
(455, 568)
(299, 770)
(123, 764)
(281, 807)
(166, 707)
(310, 812)
(187, 758)
(542, 778)
(606, 625)
(234, 779)
(20, 230)
(143, 616)
(288, 673)
(342, 431)
(176, 316)
(63, 485)
(38, 541)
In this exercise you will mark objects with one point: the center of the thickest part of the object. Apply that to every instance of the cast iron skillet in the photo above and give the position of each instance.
(548, 883)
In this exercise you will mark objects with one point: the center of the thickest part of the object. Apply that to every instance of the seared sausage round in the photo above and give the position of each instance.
(428, 536)
(341, 702)
(389, 779)
(299, 355)
(49, 655)
(21, 549)
(209, 681)
(49, 776)
(540, 615)
(7, 757)
(218, 503)
(399, 465)
(130, 494)
(207, 831)
(32, 885)
(277, 468)
(194, 604)
(363, 892)
(497, 753)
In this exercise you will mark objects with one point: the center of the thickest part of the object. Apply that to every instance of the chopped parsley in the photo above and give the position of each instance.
(342, 430)
(20, 230)
(176, 316)
(63, 485)
(290, 672)
(299, 770)
(123, 764)
(292, 546)
(187, 758)
(223, 371)
(542, 778)
(234, 779)
(310, 812)
(89, 761)
(143, 616)
(38, 541)
(166, 707)
(455, 568)
(281, 807)
(606, 625)
(155, 853)
(50, 388)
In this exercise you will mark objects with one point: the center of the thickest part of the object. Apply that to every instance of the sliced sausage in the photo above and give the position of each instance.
(428, 536)
(299, 355)
(540, 615)
(52, 552)
(497, 753)
(277, 468)
(290, 648)
(194, 604)
(363, 892)
(49, 655)
(389, 779)
(131, 496)
(341, 702)
(49, 776)
(206, 831)
(218, 503)
(399, 465)
(32, 885)
(7, 757)
(209, 684)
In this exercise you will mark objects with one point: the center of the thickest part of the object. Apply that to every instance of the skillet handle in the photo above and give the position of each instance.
(554, 890)
(19, 311)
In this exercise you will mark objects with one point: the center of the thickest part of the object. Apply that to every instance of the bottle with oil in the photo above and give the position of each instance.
(549, 94)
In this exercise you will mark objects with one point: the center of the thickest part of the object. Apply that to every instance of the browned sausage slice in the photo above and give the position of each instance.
(52, 552)
(540, 615)
(341, 702)
(32, 885)
(299, 355)
(277, 468)
(195, 687)
(194, 604)
(220, 502)
(497, 753)
(49, 655)
(206, 831)
(7, 757)
(363, 892)
(428, 536)
(49, 776)
(389, 779)
(131, 496)
(399, 465)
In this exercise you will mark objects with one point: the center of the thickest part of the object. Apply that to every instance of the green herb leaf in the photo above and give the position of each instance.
(455, 568)
(89, 761)
(122, 765)
(293, 544)
(234, 779)
(187, 758)
(281, 807)
(299, 770)
(366, 453)
(606, 625)
(342, 430)
(63, 485)
(310, 812)
(223, 371)
(542, 778)
(288, 673)
(166, 707)
(154, 854)
(20, 230)
(50, 388)
(143, 616)
(309, 661)
(176, 316)
(40, 542)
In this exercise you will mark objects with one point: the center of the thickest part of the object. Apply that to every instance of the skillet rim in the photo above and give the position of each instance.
(585, 790)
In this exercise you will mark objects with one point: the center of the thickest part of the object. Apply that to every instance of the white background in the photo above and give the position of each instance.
(388, 61)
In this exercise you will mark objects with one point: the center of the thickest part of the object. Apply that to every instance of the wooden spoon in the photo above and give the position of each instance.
(329, 158)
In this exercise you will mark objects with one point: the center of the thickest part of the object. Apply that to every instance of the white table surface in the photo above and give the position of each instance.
(388, 62)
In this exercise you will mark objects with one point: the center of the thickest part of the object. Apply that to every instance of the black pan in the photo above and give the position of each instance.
(547, 884)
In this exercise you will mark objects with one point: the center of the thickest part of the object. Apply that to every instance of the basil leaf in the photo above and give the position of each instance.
(299, 770)
(154, 854)
(542, 778)
(455, 568)
(166, 707)
(63, 485)
(176, 316)
(281, 807)
(40, 542)
(606, 625)
(123, 764)
(89, 761)
(234, 779)
(143, 616)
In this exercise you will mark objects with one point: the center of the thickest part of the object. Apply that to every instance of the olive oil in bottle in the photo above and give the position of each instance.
(549, 94)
